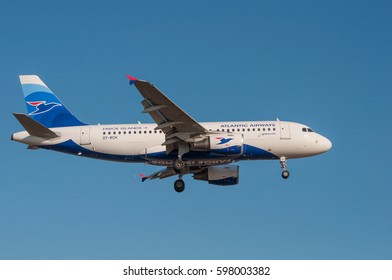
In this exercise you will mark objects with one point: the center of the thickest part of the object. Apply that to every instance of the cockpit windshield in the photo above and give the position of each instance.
(307, 129)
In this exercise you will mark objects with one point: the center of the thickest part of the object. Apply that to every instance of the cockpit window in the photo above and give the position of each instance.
(307, 129)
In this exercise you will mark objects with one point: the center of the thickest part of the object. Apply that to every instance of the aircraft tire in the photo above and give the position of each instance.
(179, 185)
(178, 165)
(285, 174)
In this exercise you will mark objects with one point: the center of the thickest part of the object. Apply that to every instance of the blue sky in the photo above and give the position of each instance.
(323, 63)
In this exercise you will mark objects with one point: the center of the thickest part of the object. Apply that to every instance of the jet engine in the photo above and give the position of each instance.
(224, 144)
(226, 175)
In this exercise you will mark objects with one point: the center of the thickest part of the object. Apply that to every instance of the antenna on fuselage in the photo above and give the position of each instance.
(278, 119)
(139, 122)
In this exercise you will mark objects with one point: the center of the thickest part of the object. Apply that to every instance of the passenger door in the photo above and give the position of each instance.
(284, 130)
(85, 135)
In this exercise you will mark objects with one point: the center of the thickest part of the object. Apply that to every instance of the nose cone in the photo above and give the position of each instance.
(325, 144)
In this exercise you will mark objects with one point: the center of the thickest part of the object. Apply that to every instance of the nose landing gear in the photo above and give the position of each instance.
(283, 165)
(285, 174)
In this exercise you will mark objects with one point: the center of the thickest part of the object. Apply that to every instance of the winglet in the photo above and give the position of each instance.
(132, 80)
(144, 178)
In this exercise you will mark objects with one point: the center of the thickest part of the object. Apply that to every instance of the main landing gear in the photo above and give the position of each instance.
(178, 165)
(179, 185)
(283, 165)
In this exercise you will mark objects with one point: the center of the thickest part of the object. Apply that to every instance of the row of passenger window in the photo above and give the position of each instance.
(248, 129)
(160, 131)
(130, 132)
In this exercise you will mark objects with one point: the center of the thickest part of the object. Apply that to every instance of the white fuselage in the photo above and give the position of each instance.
(141, 143)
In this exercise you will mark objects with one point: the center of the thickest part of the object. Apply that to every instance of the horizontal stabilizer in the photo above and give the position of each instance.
(34, 128)
(31, 147)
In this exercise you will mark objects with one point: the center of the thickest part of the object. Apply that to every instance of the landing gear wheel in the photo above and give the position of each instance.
(179, 185)
(283, 165)
(285, 174)
(178, 165)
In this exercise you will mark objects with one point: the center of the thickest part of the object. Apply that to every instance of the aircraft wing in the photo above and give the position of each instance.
(169, 117)
(164, 173)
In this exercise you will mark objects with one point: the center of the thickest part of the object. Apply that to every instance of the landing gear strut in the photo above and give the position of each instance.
(283, 165)
(179, 165)
(179, 185)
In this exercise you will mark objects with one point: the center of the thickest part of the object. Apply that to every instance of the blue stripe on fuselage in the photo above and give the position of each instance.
(70, 147)
(252, 152)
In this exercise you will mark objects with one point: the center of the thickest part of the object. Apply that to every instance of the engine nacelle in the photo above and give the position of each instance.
(227, 175)
(224, 144)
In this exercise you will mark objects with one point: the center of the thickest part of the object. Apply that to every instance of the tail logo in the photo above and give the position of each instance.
(223, 140)
(42, 106)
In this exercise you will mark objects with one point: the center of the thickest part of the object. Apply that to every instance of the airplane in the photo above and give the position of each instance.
(176, 141)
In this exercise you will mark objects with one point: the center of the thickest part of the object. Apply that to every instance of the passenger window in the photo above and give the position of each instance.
(104, 133)
(140, 132)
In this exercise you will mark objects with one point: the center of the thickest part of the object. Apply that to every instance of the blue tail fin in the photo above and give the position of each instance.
(43, 106)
